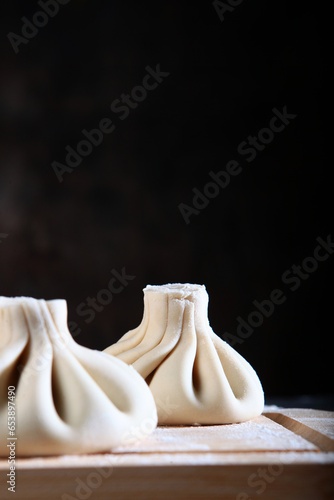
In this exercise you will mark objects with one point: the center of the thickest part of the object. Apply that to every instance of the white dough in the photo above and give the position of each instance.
(68, 398)
(195, 376)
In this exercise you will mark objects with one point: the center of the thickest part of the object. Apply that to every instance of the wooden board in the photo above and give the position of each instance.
(314, 425)
(282, 455)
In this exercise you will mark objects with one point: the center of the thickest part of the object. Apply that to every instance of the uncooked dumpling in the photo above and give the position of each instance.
(69, 399)
(195, 377)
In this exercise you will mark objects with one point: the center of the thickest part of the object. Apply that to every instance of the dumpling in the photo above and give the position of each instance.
(195, 376)
(68, 398)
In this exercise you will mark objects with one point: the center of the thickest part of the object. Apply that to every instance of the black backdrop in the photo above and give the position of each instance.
(229, 66)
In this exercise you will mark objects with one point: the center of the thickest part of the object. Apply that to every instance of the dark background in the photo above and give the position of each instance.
(119, 208)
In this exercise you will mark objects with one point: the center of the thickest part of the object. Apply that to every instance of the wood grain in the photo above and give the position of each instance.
(314, 425)
(262, 458)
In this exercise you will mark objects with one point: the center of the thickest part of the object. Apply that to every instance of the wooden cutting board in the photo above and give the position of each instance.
(281, 455)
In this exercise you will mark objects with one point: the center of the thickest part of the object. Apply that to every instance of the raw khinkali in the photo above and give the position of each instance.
(68, 399)
(195, 376)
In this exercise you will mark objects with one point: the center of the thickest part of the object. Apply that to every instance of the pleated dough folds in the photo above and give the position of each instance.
(195, 376)
(69, 399)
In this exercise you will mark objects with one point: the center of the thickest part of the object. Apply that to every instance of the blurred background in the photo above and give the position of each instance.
(119, 208)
